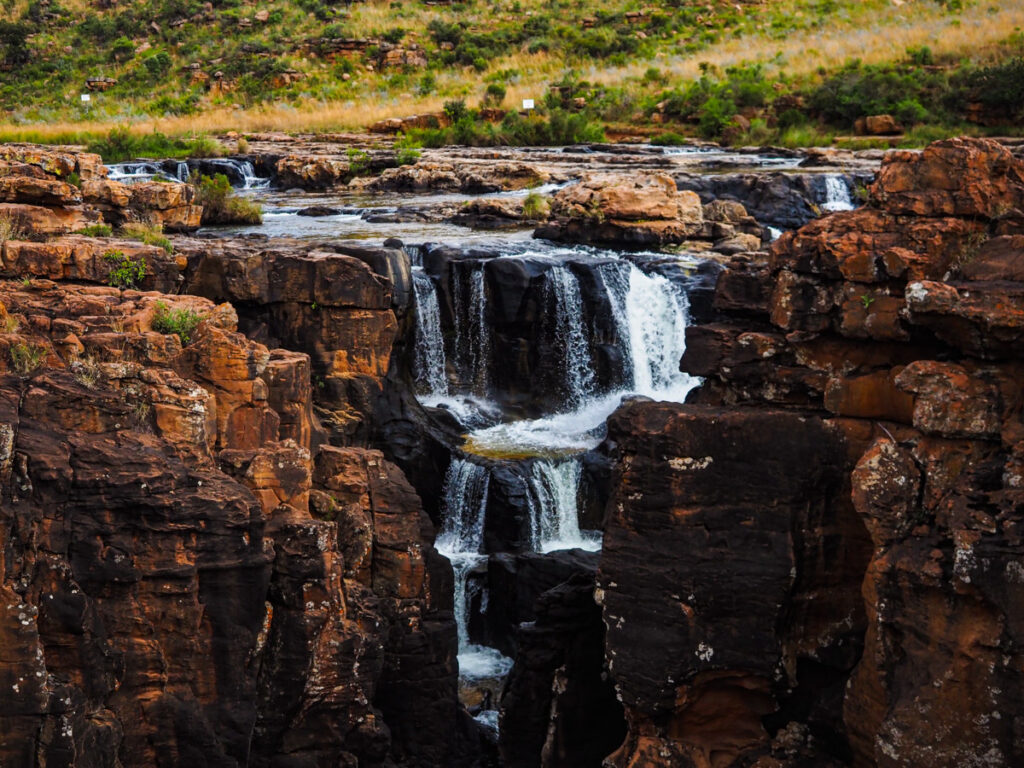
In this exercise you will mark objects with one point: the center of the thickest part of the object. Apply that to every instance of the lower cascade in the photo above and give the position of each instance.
(632, 316)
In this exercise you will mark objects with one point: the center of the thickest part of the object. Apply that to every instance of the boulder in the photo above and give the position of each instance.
(631, 211)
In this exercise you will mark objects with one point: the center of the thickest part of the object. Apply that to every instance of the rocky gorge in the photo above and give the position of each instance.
(405, 493)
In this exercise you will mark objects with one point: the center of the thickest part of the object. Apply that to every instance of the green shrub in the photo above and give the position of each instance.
(96, 230)
(407, 150)
(455, 110)
(125, 272)
(220, 203)
(669, 139)
(999, 88)
(358, 161)
(494, 95)
(182, 322)
(535, 206)
(121, 144)
(715, 116)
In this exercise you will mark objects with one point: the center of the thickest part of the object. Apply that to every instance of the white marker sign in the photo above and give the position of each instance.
(86, 97)
(527, 103)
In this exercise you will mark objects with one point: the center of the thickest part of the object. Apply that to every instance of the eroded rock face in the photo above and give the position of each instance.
(188, 576)
(878, 350)
(36, 194)
(711, 573)
(337, 304)
(452, 177)
(632, 211)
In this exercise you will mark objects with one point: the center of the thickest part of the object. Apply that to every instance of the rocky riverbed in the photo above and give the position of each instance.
(707, 464)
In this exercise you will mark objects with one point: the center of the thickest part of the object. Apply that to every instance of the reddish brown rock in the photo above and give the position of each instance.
(88, 260)
(169, 204)
(956, 177)
(312, 173)
(25, 189)
(58, 220)
(159, 609)
(902, 319)
(694, 640)
(644, 209)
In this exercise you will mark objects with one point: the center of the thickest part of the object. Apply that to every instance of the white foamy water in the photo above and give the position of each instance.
(650, 314)
(837, 194)
(429, 359)
(461, 541)
(554, 507)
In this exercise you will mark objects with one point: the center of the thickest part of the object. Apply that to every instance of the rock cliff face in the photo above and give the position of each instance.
(190, 574)
(37, 197)
(817, 561)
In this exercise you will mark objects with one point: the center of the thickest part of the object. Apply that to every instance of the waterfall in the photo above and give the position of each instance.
(249, 178)
(564, 293)
(554, 506)
(429, 357)
(837, 194)
(133, 171)
(650, 313)
(461, 540)
(472, 336)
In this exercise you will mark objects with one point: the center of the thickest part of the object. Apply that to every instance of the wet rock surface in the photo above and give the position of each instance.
(855, 451)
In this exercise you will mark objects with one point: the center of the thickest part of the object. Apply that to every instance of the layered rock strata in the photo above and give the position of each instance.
(47, 191)
(189, 574)
(817, 564)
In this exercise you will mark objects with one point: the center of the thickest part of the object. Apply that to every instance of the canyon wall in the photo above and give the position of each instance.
(817, 561)
(191, 574)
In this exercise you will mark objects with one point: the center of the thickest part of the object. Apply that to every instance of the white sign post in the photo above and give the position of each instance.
(527, 104)
(86, 97)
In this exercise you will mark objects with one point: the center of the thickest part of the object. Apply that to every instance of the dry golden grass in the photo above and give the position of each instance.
(874, 37)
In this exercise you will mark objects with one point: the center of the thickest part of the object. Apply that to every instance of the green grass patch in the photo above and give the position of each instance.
(182, 322)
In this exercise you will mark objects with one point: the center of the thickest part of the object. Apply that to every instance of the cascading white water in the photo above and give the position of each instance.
(554, 512)
(564, 292)
(429, 359)
(249, 178)
(837, 194)
(461, 541)
(472, 336)
(651, 319)
(649, 313)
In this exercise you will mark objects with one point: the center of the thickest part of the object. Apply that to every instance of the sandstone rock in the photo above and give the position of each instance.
(446, 177)
(50, 192)
(85, 259)
(901, 318)
(879, 125)
(631, 211)
(36, 220)
(694, 646)
(956, 177)
(169, 204)
(312, 173)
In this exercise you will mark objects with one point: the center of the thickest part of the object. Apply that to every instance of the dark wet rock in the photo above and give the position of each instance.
(319, 210)
(559, 707)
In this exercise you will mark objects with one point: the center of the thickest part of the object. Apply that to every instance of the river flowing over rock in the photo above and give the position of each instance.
(302, 498)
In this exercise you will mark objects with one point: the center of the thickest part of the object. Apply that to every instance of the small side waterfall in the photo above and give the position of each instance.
(837, 194)
(554, 512)
(460, 540)
(650, 314)
(563, 292)
(429, 359)
(472, 335)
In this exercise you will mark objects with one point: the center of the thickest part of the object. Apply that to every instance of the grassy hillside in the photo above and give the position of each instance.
(782, 66)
